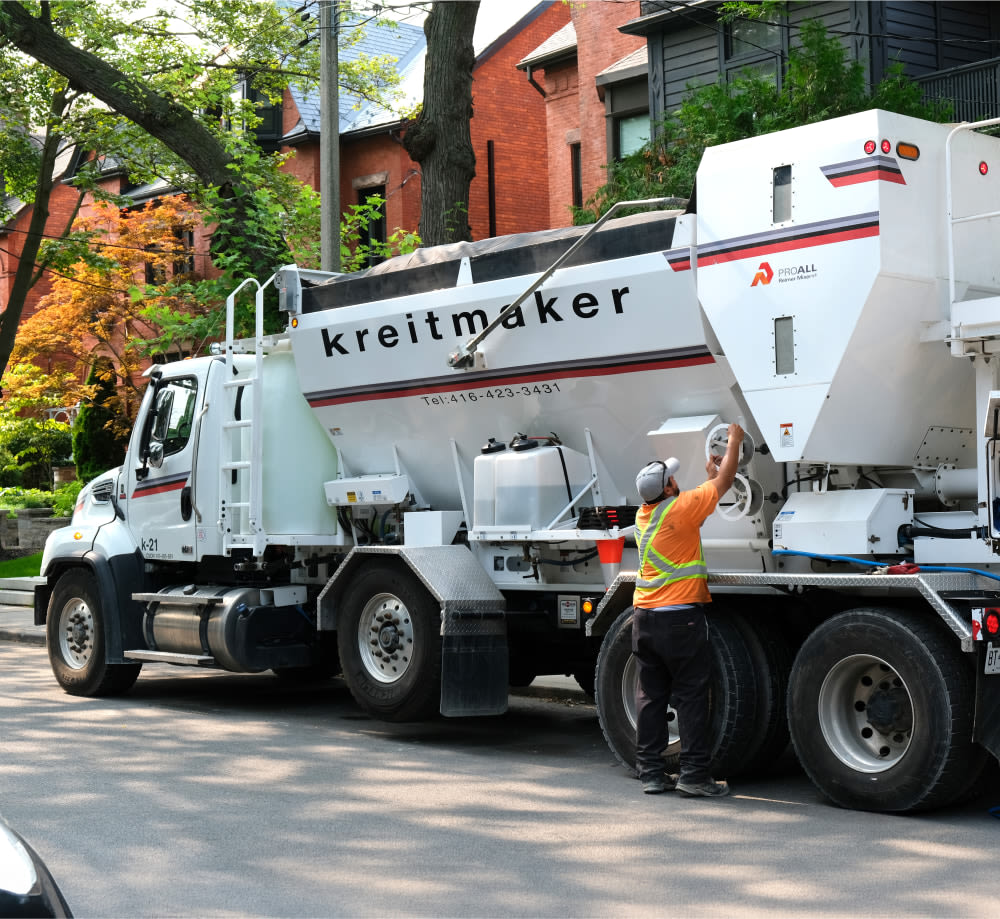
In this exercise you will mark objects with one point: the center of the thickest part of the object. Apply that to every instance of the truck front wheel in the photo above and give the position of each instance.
(880, 707)
(390, 644)
(76, 641)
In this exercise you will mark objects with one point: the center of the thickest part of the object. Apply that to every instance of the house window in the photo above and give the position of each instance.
(373, 233)
(631, 132)
(754, 47)
(576, 171)
(184, 264)
(268, 132)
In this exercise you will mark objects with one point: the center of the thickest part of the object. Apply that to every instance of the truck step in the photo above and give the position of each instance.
(177, 599)
(170, 657)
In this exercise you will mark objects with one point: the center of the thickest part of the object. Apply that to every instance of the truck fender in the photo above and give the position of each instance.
(617, 598)
(451, 573)
(118, 577)
(474, 656)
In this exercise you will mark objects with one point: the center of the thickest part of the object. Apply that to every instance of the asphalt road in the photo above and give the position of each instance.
(219, 795)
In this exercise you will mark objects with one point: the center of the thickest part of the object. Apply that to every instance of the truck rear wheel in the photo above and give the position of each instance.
(75, 637)
(880, 707)
(732, 707)
(772, 658)
(389, 637)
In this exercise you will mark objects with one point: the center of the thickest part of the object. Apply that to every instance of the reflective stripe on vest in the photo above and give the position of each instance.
(666, 570)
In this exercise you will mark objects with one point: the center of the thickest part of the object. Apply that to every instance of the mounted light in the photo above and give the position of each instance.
(992, 622)
(587, 607)
(908, 151)
(886, 147)
(869, 146)
(983, 167)
(295, 323)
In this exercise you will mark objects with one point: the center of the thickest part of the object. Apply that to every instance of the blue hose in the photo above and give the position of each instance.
(870, 564)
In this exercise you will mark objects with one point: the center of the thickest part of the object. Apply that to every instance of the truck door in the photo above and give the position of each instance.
(159, 468)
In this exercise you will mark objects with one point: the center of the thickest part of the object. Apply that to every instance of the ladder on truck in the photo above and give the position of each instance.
(241, 480)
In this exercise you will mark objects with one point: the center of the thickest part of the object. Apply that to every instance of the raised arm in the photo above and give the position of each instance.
(722, 469)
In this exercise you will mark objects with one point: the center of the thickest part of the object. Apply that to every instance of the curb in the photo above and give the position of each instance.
(22, 637)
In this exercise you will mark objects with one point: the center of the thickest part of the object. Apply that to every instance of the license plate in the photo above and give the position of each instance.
(992, 659)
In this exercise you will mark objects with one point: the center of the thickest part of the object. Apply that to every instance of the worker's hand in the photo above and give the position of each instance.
(735, 432)
(712, 466)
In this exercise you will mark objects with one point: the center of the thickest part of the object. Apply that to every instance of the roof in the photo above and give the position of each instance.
(632, 66)
(405, 44)
(558, 46)
(655, 15)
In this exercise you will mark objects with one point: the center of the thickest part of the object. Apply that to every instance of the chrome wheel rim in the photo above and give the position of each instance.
(630, 683)
(866, 713)
(76, 633)
(385, 638)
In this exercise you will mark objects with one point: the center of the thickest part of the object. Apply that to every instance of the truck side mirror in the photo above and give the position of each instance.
(155, 454)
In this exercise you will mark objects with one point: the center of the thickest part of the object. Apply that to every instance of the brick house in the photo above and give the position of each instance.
(593, 79)
(510, 191)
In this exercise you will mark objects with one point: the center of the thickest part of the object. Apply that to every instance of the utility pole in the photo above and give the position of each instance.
(329, 138)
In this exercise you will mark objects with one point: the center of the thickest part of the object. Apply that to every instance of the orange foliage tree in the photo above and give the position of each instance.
(107, 309)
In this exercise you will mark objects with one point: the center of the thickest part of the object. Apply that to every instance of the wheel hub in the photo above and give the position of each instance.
(76, 634)
(889, 710)
(385, 638)
(388, 638)
(865, 713)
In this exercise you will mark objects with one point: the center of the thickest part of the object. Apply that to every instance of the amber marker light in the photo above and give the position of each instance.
(588, 606)
(295, 323)
(908, 151)
(78, 535)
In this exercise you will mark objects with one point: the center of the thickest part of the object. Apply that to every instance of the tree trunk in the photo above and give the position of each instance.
(25, 275)
(439, 139)
(175, 126)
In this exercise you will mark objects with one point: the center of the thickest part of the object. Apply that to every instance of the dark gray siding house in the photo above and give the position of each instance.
(951, 48)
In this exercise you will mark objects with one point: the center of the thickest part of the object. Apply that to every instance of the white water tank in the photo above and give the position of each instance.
(532, 485)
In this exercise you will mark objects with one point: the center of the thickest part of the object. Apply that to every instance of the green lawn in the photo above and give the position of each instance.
(29, 566)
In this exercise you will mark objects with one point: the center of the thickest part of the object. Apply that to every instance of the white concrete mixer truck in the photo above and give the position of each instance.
(426, 483)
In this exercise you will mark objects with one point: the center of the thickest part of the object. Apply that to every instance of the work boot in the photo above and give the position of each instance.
(657, 784)
(707, 788)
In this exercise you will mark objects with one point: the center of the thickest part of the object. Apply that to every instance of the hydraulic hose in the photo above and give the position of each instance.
(863, 561)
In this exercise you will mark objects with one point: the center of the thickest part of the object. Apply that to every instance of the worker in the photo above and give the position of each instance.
(669, 628)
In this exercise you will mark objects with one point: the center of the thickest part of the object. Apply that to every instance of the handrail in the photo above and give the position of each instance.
(463, 356)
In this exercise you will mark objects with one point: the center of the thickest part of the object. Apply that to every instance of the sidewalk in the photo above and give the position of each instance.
(17, 623)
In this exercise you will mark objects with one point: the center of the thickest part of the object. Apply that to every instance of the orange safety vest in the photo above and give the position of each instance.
(672, 569)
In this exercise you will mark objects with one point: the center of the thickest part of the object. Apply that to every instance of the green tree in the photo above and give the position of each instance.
(154, 88)
(820, 83)
(98, 444)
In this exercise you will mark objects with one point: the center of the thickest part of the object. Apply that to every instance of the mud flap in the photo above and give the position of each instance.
(474, 664)
(986, 729)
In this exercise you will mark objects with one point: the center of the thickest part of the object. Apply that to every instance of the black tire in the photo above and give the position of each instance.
(880, 707)
(772, 659)
(733, 704)
(389, 637)
(74, 629)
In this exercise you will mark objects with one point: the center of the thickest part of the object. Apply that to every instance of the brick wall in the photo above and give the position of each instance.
(599, 45)
(511, 112)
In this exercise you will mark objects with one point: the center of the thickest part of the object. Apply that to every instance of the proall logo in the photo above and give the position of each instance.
(763, 276)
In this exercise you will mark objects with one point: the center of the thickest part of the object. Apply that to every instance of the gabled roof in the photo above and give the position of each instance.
(403, 42)
(632, 66)
(557, 47)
